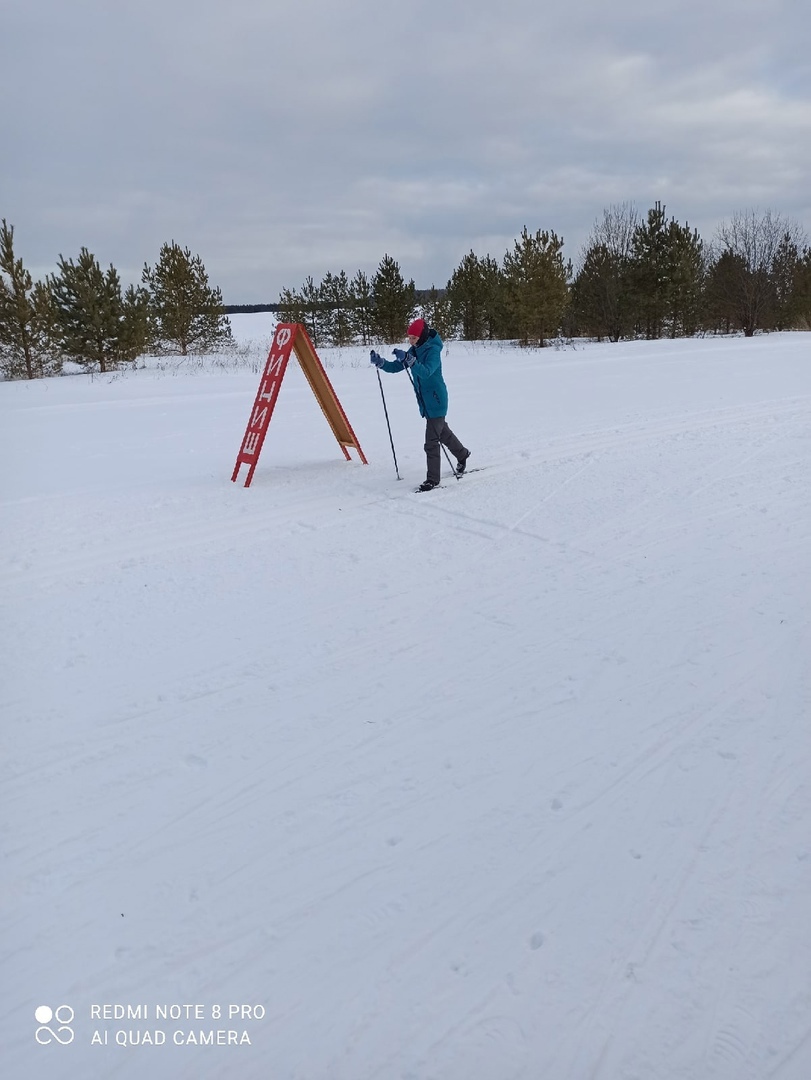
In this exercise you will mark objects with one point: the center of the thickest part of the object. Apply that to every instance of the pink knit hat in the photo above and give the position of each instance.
(416, 328)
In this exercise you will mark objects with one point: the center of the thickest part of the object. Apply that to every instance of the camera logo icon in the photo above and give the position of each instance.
(61, 1017)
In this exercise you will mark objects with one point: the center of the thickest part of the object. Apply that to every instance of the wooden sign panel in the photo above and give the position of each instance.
(289, 338)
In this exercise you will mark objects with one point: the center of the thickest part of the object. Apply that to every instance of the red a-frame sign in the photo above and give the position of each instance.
(292, 337)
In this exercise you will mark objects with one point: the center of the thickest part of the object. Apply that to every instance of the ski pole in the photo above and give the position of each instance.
(388, 425)
(422, 403)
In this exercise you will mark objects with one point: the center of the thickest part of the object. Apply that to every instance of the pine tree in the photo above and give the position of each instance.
(291, 307)
(536, 286)
(473, 293)
(438, 313)
(650, 273)
(596, 295)
(92, 320)
(335, 296)
(722, 292)
(46, 328)
(136, 323)
(312, 312)
(496, 317)
(784, 275)
(27, 349)
(685, 279)
(602, 294)
(361, 303)
(394, 302)
(187, 313)
(801, 303)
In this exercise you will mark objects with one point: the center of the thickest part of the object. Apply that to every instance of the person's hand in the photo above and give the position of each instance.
(376, 359)
(399, 354)
(407, 359)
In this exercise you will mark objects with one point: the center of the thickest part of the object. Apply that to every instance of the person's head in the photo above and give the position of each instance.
(415, 330)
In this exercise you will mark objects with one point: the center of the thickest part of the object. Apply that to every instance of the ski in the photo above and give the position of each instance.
(457, 476)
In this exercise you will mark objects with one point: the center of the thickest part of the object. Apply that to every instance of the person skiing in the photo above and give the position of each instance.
(424, 361)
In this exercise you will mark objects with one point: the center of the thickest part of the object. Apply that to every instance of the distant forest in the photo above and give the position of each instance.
(422, 295)
(637, 277)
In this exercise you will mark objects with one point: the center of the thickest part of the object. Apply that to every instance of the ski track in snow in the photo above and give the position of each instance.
(505, 781)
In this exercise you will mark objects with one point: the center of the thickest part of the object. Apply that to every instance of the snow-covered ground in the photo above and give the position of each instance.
(509, 780)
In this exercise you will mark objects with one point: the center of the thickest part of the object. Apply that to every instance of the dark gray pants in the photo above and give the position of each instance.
(436, 432)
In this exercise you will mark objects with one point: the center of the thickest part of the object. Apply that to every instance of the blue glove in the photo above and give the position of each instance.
(377, 360)
(405, 358)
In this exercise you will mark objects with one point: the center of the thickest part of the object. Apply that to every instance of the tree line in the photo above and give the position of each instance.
(638, 277)
(81, 314)
(522, 298)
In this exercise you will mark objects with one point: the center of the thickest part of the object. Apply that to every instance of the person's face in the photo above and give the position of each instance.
(413, 339)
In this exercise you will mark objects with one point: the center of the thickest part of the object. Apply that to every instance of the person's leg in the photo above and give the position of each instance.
(446, 436)
(433, 430)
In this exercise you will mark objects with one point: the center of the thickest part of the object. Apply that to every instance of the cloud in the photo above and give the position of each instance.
(286, 139)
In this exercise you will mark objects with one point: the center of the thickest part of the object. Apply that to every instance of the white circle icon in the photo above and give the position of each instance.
(43, 1015)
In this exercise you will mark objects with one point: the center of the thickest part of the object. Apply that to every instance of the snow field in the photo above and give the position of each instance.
(506, 780)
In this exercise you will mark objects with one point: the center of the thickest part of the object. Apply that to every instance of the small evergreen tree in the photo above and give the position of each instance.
(313, 312)
(437, 312)
(473, 295)
(667, 272)
(336, 299)
(721, 292)
(361, 303)
(685, 279)
(136, 323)
(784, 275)
(602, 294)
(496, 317)
(649, 273)
(536, 286)
(27, 348)
(187, 313)
(92, 320)
(394, 302)
(46, 328)
(801, 303)
(291, 307)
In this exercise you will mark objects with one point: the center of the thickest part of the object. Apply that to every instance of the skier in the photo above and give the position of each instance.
(424, 360)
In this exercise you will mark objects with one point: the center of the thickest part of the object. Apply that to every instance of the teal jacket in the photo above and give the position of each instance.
(426, 371)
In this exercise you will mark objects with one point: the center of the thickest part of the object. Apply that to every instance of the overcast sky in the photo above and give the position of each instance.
(281, 138)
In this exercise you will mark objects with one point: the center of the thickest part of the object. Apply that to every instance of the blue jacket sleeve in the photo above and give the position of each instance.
(392, 365)
(398, 365)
